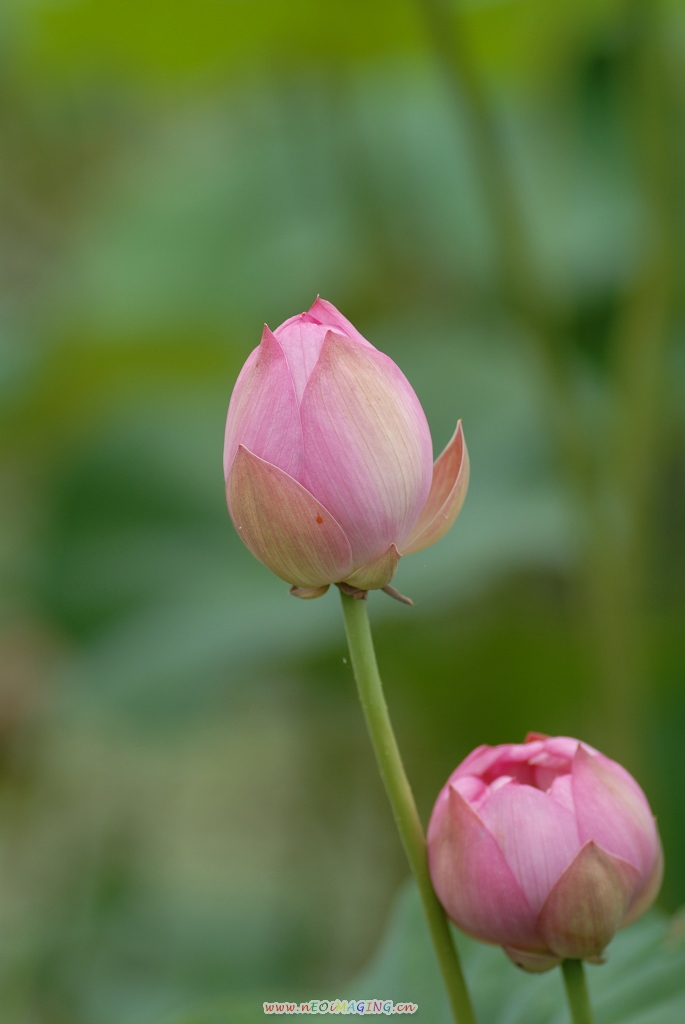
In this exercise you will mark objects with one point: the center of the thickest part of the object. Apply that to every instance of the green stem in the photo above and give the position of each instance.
(577, 993)
(402, 799)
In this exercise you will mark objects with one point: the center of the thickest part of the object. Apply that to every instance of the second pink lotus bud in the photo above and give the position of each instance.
(545, 847)
(328, 458)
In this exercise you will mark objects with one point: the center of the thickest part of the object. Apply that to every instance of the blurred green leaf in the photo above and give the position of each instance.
(643, 981)
(237, 1011)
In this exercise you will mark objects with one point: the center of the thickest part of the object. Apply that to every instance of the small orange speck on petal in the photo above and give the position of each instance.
(319, 519)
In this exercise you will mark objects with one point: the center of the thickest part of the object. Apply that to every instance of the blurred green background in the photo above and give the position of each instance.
(492, 192)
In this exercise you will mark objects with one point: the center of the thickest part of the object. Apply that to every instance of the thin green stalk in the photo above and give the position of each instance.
(402, 799)
(577, 994)
(640, 345)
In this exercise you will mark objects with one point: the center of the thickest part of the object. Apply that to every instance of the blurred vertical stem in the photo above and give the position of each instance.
(577, 993)
(611, 476)
(401, 799)
(516, 270)
(625, 484)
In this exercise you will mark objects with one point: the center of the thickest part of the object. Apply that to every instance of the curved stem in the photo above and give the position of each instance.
(577, 993)
(402, 799)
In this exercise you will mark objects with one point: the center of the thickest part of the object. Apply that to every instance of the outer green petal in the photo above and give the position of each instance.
(588, 903)
(377, 574)
(446, 497)
(283, 525)
(534, 963)
(309, 593)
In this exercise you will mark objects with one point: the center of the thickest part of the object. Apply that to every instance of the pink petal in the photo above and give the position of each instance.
(446, 497)
(537, 836)
(301, 339)
(645, 896)
(561, 790)
(283, 525)
(326, 313)
(472, 878)
(506, 759)
(471, 788)
(548, 769)
(263, 414)
(293, 319)
(521, 760)
(367, 446)
(587, 905)
(612, 809)
(564, 747)
(471, 765)
(554, 760)
(377, 574)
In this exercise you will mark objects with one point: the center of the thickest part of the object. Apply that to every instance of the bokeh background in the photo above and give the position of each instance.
(492, 191)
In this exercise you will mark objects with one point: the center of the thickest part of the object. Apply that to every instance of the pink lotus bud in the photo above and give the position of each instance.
(545, 847)
(328, 458)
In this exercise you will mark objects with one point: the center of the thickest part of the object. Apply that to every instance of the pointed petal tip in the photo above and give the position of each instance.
(329, 315)
(587, 904)
(335, 336)
(268, 335)
(392, 592)
(263, 413)
(446, 497)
